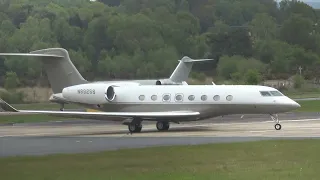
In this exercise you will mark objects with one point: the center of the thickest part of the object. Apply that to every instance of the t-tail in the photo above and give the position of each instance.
(182, 71)
(60, 70)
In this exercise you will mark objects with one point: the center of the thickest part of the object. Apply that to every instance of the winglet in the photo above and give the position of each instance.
(7, 107)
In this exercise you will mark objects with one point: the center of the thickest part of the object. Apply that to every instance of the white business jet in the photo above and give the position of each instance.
(62, 73)
(165, 104)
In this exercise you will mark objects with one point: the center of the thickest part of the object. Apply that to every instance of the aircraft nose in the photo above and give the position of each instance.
(295, 104)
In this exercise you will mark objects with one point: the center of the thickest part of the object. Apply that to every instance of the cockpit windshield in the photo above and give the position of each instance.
(265, 93)
(276, 93)
(270, 93)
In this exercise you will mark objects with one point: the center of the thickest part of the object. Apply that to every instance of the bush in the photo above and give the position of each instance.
(12, 97)
(298, 81)
(11, 81)
(252, 77)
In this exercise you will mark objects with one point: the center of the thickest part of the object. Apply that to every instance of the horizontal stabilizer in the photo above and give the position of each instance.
(145, 115)
(31, 55)
(187, 59)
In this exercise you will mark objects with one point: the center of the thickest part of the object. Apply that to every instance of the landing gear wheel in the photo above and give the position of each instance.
(135, 128)
(275, 118)
(163, 126)
(277, 126)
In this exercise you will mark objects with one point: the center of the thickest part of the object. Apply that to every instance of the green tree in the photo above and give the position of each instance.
(298, 81)
(252, 77)
(11, 81)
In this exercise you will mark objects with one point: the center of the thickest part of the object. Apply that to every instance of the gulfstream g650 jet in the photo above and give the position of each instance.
(165, 104)
(62, 73)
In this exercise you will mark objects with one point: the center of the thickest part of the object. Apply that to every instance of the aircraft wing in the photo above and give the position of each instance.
(31, 55)
(102, 115)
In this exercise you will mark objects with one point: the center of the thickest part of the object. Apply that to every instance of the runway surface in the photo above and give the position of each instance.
(81, 136)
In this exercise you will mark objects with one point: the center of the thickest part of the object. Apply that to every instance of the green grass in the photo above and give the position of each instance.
(263, 160)
(309, 106)
(7, 119)
(297, 94)
(4, 119)
(44, 106)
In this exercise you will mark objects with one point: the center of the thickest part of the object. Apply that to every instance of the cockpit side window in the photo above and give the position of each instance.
(276, 93)
(265, 93)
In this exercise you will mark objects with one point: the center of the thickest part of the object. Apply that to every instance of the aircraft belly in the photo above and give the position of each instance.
(205, 110)
(155, 107)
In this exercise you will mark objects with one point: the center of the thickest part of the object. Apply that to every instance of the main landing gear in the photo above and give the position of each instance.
(135, 127)
(275, 118)
(163, 126)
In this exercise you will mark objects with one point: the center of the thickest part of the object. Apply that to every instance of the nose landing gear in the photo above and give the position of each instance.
(61, 107)
(275, 118)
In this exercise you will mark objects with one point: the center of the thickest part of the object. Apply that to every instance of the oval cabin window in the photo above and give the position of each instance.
(216, 97)
(204, 97)
(166, 97)
(141, 97)
(229, 97)
(191, 97)
(154, 97)
(179, 97)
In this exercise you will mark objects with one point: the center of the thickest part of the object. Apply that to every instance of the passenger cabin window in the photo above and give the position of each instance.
(204, 97)
(216, 97)
(141, 97)
(191, 97)
(179, 97)
(229, 98)
(265, 93)
(154, 97)
(166, 97)
(276, 93)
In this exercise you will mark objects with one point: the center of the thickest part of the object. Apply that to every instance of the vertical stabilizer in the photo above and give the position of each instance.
(182, 71)
(56, 62)
(61, 71)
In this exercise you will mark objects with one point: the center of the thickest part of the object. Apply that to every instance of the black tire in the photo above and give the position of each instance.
(135, 128)
(163, 126)
(277, 127)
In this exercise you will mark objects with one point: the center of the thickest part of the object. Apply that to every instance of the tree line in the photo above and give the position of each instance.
(250, 40)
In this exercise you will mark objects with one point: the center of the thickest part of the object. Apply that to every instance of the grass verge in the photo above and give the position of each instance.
(281, 159)
(298, 95)
(8, 119)
(4, 119)
(309, 106)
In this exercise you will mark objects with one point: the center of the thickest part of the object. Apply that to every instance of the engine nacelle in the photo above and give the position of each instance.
(91, 93)
(166, 82)
(110, 94)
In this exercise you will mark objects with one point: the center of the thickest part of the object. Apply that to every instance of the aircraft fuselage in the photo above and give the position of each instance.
(210, 101)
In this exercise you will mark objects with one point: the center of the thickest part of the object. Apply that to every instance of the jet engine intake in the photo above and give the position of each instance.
(110, 94)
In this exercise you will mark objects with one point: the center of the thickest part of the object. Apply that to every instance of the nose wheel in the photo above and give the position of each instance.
(277, 126)
(275, 118)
